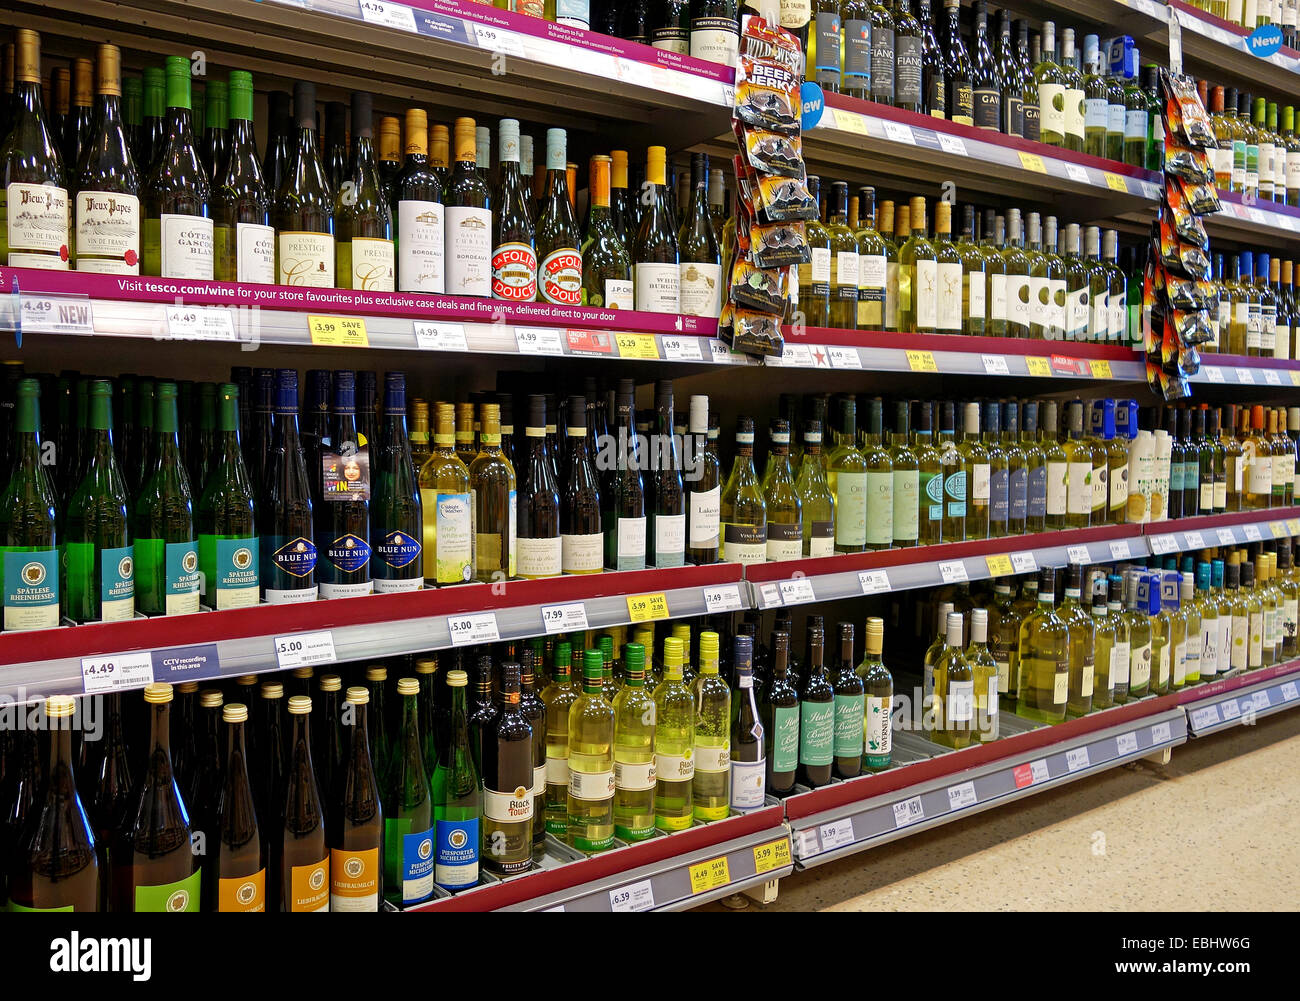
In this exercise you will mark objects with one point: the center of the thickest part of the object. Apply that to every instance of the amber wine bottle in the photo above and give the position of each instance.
(358, 817)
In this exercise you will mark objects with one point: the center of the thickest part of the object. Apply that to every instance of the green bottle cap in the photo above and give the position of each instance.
(218, 106)
(607, 647)
(1288, 119)
(165, 408)
(593, 666)
(240, 92)
(633, 662)
(155, 85)
(563, 658)
(132, 99)
(178, 82)
(27, 419)
(100, 417)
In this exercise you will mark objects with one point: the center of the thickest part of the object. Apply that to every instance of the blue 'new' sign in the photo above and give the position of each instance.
(1264, 40)
(813, 102)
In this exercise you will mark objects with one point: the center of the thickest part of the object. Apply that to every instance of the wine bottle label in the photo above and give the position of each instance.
(820, 270)
(1013, 113)
(712, 759)
(297, 557)
(744, 544)
(1210, 646)
(857, 55)
(817, 733)
(630, 544)
(988, 108)
(349, 554)
(619, 294)
(185, 246)
(784, 542)
(116, 579)
(747, 785)
(882, 65)
(354, 879)
(704, 513)
(1060, 685)
(1004, 673)
(821, 540)
(37, 226)
(1135, 125)
(671, 38)
(305, 259)
(1057, 493)
(514, 272)
(557, 768)
(540, 557)
(1018, 496)
(179, 897)
(975, 296)
(514, 806)
(926, 295)
(573, 13)
(420, 247)
(329, 591)
(1140, 664)
(1116, 116)
(907, 70)
(634, 776)
(1289, 618)
(1032, 120)
(181, 583)
(397, 550)
(1040, 303)
(560, 277)
(848, 725)
(242, 894)
(997, 298)
(1051, 108)
(1100, 487)
(930, 488)
(108, 233)
(878, 734)
(850, 490)
(979, 482)
(1076, 315)
(948, 298)
(669, 540)
(447, 536)
(784, 747)
(469, 250)
(701, 289)
(1280, 342)
(873, 275)
(293, 596)
(827, 49)
(1095, 113)
(1256, 628)
(255, 253)
(658, 288)
(954, 488)
(371, 265)
(1078, 488)
(1099, 322)
(582, 553)
(960, 102)
(714, 39)
(31, 590)
(674, 767)
(1074, 112)
(1119, 665)
(1018, 300)
(905, 492)
(532, 8)
(999, 496)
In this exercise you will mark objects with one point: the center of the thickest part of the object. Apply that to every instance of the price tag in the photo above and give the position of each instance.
(1038, 365)
(769, 595)
(1100, 369)
(899, 133)
(722, 599)
(1126, 743)
(773, 855)
(798, 591)
(1115, 182)
(952, 571)
(849, 121)
(1038, 769)
(474, 629)
(681, 349)
(719, 352)
(844, 357)
(639, 346)
(1022, 775)
(116, 671)
(1024, 563)
(1151, 191)
(1077, 554)
(1076, 758)
(194, 323)
(908, 812)
(1161, 544)
(995, 365)
(1119, 550)
(1205, 717)
(962, 796)
(647, 607)
(44, 315)
(497, 40)
(873, 581)
(1272, 378)
(1289, 691)
(1032, 161)
(635, 897)
(1226, 538)
(1160, 733)
(1276, 529)
(1246, 376)
(390, 15)
(921, 361)
(538, 341)
(570, 618)
(836, 833)
(1213, 373)
(952, 144)
(338, 331)
(441, 337)
(797, 355)
(1194, 540)
(305, 650)
(999, 566)
(1260, 699)
(1231, 709)
(1293, 526)
(1076, 173)
(710, 875)
(1252, 533)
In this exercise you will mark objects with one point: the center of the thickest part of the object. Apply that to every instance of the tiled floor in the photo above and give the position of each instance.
(1216, 828)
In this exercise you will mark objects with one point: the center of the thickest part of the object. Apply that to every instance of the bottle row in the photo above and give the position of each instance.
(1254, 157)
(1252, 14)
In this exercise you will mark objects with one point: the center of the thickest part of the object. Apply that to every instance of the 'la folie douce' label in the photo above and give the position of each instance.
(31, 590)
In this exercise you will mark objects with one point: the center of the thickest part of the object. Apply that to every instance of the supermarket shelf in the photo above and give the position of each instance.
(954, 354)
(1211, 42)
(1242, 699)
(121, 655)
(1235, 529)
(1247, 223)
(853, 575)
(1241, 370)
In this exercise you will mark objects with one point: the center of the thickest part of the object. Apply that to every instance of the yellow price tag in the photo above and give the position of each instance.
(1100, 369)
(1295, 378)
(999, 566)
(921, 361)
(637, 346)
(850, 121)
(1115, 182)
(1293, 525)
(338, 331)
(1039, 366)
(1034, 162)
(773, 855)
(1278, 529)
(647, 607)
(710, 875)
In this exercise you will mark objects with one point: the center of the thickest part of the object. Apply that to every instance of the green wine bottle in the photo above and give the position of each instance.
(456, 798)
(408, 810)
(363, 219)
(396, 514)
(27, 524)
(107, 184)
(241, 202)
(655, 265)
(227, 517)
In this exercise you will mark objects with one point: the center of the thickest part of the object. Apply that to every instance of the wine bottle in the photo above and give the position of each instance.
(104, 784)
(215, 146)
(634, 757)
(558, 697)
(674, 743)
(342, 514)
(715, 31)
(492, 493)
(823, 54)
(417, 213)
(533, 710)
(287, 553)
(816, 713)
(408, 810)
(1051, 90)
(357, 822)
(446, 504)
(107, 184)
(581, 538)
(1031, 119)
(986, 84)
(468, 255)
(667, 538)
(304, 204)
(81, 116)
(704, 490)
(241, 203)
(539, 546)
(711, 792)
(742, 509)
(363, 219)
(656, 267)
(507, 768)
(238, 881)
(670, 26)
(227, 518)
(301, 854)
(958, 72)
(28, 528)
(133, 114)
(396, 516)
(559, 262)
(909, 92)
(624, 499)
(780, 720)
(455, 794)
(606, 266)
(514, 254)
(279, 140)
(34, 212)
(1008, 73)
(701, 264)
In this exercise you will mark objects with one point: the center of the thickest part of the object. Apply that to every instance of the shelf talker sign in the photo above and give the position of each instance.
(813, 103)
(1264, 40)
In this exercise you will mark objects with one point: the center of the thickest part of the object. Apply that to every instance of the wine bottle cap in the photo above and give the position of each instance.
(955, 625)
(439, 144)
(234, 712)
(577, 423)
(417, 132)
(709, 652)
(673, 649)
(508, 141)
(218, 106)
(299, 705)
(357, 695)
(158, 693)
(555, 149)
(210, 698)
(483, 146)
(362, 109)
(330, 683)
(304, 105)
(246, 680)
(466, 142)
(27, 56)
(272, 690)
(395, 393)
(303, 673)
(633, 658)
(457, 679)
(408, 686)
(426, 665)
(593, 665)
(187, 687)
(376, 672)
(942, 217)
(59, 706)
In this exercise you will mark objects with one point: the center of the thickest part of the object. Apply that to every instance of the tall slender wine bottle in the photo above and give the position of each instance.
(215, 146)
(704, 489)
(581, 538)
(468, 254)
(301, 853)
(408, 809)
(674, 743)
(626, 526)
(107, 183)
(780, 717)
(396, 515)
(342, 518)
(538, 516)
(153, 127)
(177, 192)
(227, 518)
(559, 261)
(514, 243)
(362, 217)
(357, 822)
(655, 262)
(667, 539)
(418, 213)
(492, 492)
(816, 712)
(507, 782)
(28, 530)
(287, 552)
(303, 214)
(456, 796)
(81, 115)
(238, 881)
(533, 711)
(711, 794)
(446, 503)
(606, 264)
(700, 262)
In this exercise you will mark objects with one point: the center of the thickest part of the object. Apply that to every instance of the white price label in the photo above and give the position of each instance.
(1151, 191)
(1126, 743)
(53, 315)
(1119, 549)
(797, 356)
(1231, 709)
(1161, 544)
(952, 144)
(1289, 691)
(1213, 373)
(1258, 217)
(390, 15)
(305, 650)
(1023, 563)
(722, 599)
(798, 591)
(681, 349)
(1194, 540)
(899, 133)
(1272, 378)
(1160, 734)
(498, 41)
(1077, 554)
(953, 571)
(472, 630)
(635, 897)
(570, 618)
(1039, 770)
(769, 595)
(908, 812)
(1204, 717)
(1260, 699)
(194, 323)
(1076, 173)
(845, 358)
(1246, 376)
(839, 832)
(961, 796)
(538, 341)
(1076, 758)
(1252, 533)
(806, 844)
(995, 365)
(441, 337)
(874, 581)
(116, 671)
(1226, 538)
(719, 352)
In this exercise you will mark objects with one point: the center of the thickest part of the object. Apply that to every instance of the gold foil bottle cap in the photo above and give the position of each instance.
(158, 693)
(59, 706)
(376, 672)
(234, 712)
(331, 683)
(408, 686)
(417, 132)
(272, 690)
(210, 698)
(108, 73)
(299, 705)
(426, 665)
(358, 696)
(466, 140)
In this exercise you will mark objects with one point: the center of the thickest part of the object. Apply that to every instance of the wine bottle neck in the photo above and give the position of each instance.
(160, 731)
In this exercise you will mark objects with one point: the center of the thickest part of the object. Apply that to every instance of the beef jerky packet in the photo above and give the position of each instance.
(1200, 199)
(1187, 162)
(771, 152)
(1179, 257)
(1192, 123)
(756, 333)
(769, 73)
(1185, 222)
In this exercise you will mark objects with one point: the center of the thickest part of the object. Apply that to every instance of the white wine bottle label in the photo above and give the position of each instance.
(297, 596)
(514, 272)
(1040, 302)
(539, 784)
(373, 268)
(669, 540)
(873, 276)
(117, 584)
(701, 289)
(1255, 651)
(947, 298)
(926, 295)
(1060, 687)
(784, 542)
(1119, 665)
(979, 481)
(848, 726)
(1240, 644)
(744, 544)
(1259, 472)
(1162, 665)
(850, 490)
(817, 733)
(384, 585)
(714, 39)
(1208, 662)
(674, 767)
(1140, 665)
(540, 557)
(1078, 487)
(1004, 676)
(619, 294)
(1018, 300)
(186, 245)
(630, 544)
(658, 288)
(31, 595)
(1099, 322)
(309, 887)
(975, 295)
(559, 277)
(591, 785)
(961, 701)
(108, 233)
(37, 226)
(997, 297)
(877, 730)
(1119, 488)
(557, 768)
(712, 759)
(354, 880)
(704, 514)
(1290, 610)
(357, 590)
(748, 780)
(582, 553)
(1118, 316)
(469, 251)
(421, 245)
(1100, 487)
(820, 267)
(906, 487)
(785, 738)
(181, 584)
(573, 13)
(1074, 112)
(821, 539)
(1051, 109)
(634, 776)
(1076, 315)
(256, 248)
(846, 273)
(456, 865)
(512, 806)
(305, 259)
(417, 865)
(447, 537)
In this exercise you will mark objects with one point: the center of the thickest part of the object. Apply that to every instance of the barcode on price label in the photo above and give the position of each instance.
(565, 618)
(722, 599)
(1077, 554)
(441, 336)
(681, 349)
(1119, 550)
(908, 812)
(836, 833)
(769, 595)
(305, 650)
(952, 571)
(961, 796)
(538, 341)
(1126, 743)
(798, 591)
(1160, 733)
(116, 671)
(874, 581)
(635, 897)
(1076, 758)
(472, 630)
